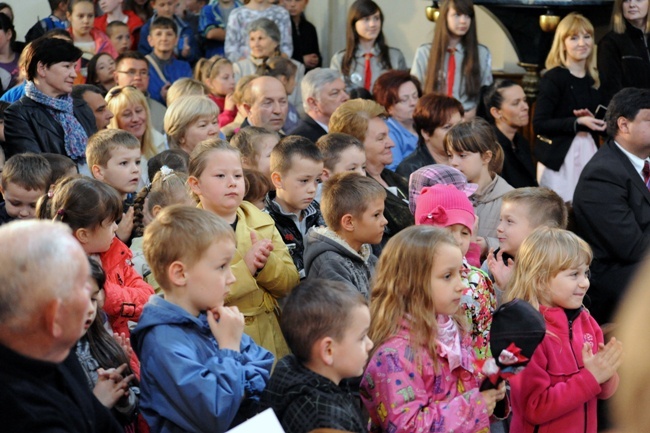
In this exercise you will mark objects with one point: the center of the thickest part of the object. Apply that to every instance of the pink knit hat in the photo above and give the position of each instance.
(443, 206)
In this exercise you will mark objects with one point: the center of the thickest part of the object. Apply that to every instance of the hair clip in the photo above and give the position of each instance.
(166, 172)
(60, 212)
(50, 192)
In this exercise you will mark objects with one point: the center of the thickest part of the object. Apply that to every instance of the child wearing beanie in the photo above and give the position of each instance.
(446, 206)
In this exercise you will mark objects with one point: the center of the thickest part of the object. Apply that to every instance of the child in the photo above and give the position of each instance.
(212, 25)
(101, 70)
(176, 159)
(164, 68)
(90, 208)
(326, 326)
(285, 71)
(104, 361)
(120, 36)
(341, 153)
(231, 120)
(446, 206)
(61, 167)
(303, 35)
(198, 367)
(522, 211)
(25, 178)
(296, 167)
(473, 149)
(257, 187)
(220, 79)
(113, 12)
(353, 209)
(57, 20)
(455, 64)
(572, 367)
(184, 46)
(187, 86)
(262, 264)
(255, 145)
(421, 376)
(366, 55)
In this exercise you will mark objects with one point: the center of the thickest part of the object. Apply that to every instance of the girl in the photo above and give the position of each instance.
(100, 72)
(190, 120)
(8, 57)
(255, 145)
(185, 87)
(455, 64)
(90, 208)
(220, 79)
(366, 55)
(286, 71)
(231, 120)
(81, 14)
(421, 376)
(564, 122)
(257, 186)
(262, 265)
(572, 367)
(474, 151)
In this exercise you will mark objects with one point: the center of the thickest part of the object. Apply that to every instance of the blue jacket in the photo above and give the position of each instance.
(172, 71)
(184, 31)
(187, 382)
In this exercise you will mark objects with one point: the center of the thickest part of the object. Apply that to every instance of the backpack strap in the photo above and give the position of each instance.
(153, 63)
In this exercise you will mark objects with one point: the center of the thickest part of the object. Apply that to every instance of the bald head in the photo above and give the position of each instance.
(266, 103)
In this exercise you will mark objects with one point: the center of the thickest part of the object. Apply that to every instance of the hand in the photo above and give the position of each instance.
(500, 271)
(603, 364)
(227, 326)
(164, 90)
(230, 103)
(592, 123)
(125, 227)
(258, 254)
(124, 342)
(492, 396)
(310, 60)
(583, 112)
(185, 52)
(111, 386)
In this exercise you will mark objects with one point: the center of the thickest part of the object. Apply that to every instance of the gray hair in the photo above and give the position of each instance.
(314, 81)
(36, 265)
(267, 26)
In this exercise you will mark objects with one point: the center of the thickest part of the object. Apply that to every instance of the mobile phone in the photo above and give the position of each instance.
(600, 112)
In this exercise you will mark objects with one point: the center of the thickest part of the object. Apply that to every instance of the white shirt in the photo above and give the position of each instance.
(637, 162)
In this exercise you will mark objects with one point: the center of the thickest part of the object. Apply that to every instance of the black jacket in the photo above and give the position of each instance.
(305, 41)
(309, 129)
(304, 400)
(518, 167)
(397, 210)
(623, 61)
(419, 158)
(29, 127)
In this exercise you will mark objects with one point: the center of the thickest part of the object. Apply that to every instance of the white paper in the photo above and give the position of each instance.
(265, 421)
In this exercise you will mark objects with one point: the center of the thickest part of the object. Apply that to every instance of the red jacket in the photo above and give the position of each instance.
(555, 393)
(133, 23)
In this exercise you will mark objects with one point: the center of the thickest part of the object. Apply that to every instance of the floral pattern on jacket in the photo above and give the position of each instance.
(478, 301)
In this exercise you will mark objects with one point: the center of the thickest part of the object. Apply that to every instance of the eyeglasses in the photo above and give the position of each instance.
(116, 91)
(132, 73)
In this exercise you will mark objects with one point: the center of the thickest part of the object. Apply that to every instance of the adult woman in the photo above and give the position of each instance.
(434, 115)
(364, 120)
(8, 57)
(623, 53)
(398, 92)
(506, 103)
(47, 119)
(100, 72)
(190, 120)
(264, 42)
(131, 111)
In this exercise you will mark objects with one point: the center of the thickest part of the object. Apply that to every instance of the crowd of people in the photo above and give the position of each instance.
(200, 222)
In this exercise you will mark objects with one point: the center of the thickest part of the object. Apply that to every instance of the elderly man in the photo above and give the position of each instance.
(44, 304)
(323, 90)
(612, 200)
(265, 103)
(93, 97)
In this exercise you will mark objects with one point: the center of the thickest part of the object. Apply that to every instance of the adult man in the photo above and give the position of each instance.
(93, 97)
(44, 304)
(323, 90)
(612, 200)
(265, 102)
(132, 69)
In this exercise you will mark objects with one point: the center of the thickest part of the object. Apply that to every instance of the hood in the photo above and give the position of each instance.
(321, 239)
(495, 190)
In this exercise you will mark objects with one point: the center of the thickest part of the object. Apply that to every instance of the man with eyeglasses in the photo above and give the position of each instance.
(132, 69)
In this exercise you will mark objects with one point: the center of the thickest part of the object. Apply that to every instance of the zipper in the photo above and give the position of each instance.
(577, 365)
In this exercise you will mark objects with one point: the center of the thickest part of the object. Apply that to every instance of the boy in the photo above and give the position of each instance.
(353, 209)
(341, 153)
(120, 36)
(326, 326)
(25, 178)
(57, 20)
(296, 167)
(185, 47)
(522, 211)
(164, 69)
(212, 25)
(113, 12)
(114, 158)
(304, 35)
(198, 367)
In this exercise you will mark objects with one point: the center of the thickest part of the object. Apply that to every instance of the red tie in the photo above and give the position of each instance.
(646, 174)
(451, 71)
(367, 78)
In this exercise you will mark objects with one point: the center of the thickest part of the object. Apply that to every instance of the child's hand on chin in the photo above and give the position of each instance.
(227, 326)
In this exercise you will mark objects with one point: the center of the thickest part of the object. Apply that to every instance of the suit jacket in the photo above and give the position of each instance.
(308, 128)
(612, 213)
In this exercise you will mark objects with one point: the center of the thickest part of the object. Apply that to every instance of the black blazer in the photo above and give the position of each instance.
(518, 166)
(29, 127)
(308, 128)
(612, 213)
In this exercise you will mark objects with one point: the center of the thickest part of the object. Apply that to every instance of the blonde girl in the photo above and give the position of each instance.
(564, 123)
(262, 265)
(185, 87)
(190, 120)
(420, 347)
(572, 367)
(473, 149)
(255, 145)
(220, 79)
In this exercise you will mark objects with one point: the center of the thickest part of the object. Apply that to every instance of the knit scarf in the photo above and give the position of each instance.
(75, 137)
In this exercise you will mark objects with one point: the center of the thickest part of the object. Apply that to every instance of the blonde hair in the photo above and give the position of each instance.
(618, 20)
(181, 233)
(249, 142)
(402, 287)
(102, 144)
(544, 206)
(569, 26)
(183, 112)
(352, 117)
(544, 253)
(185, 87)
(201, 155)
(118, 99)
